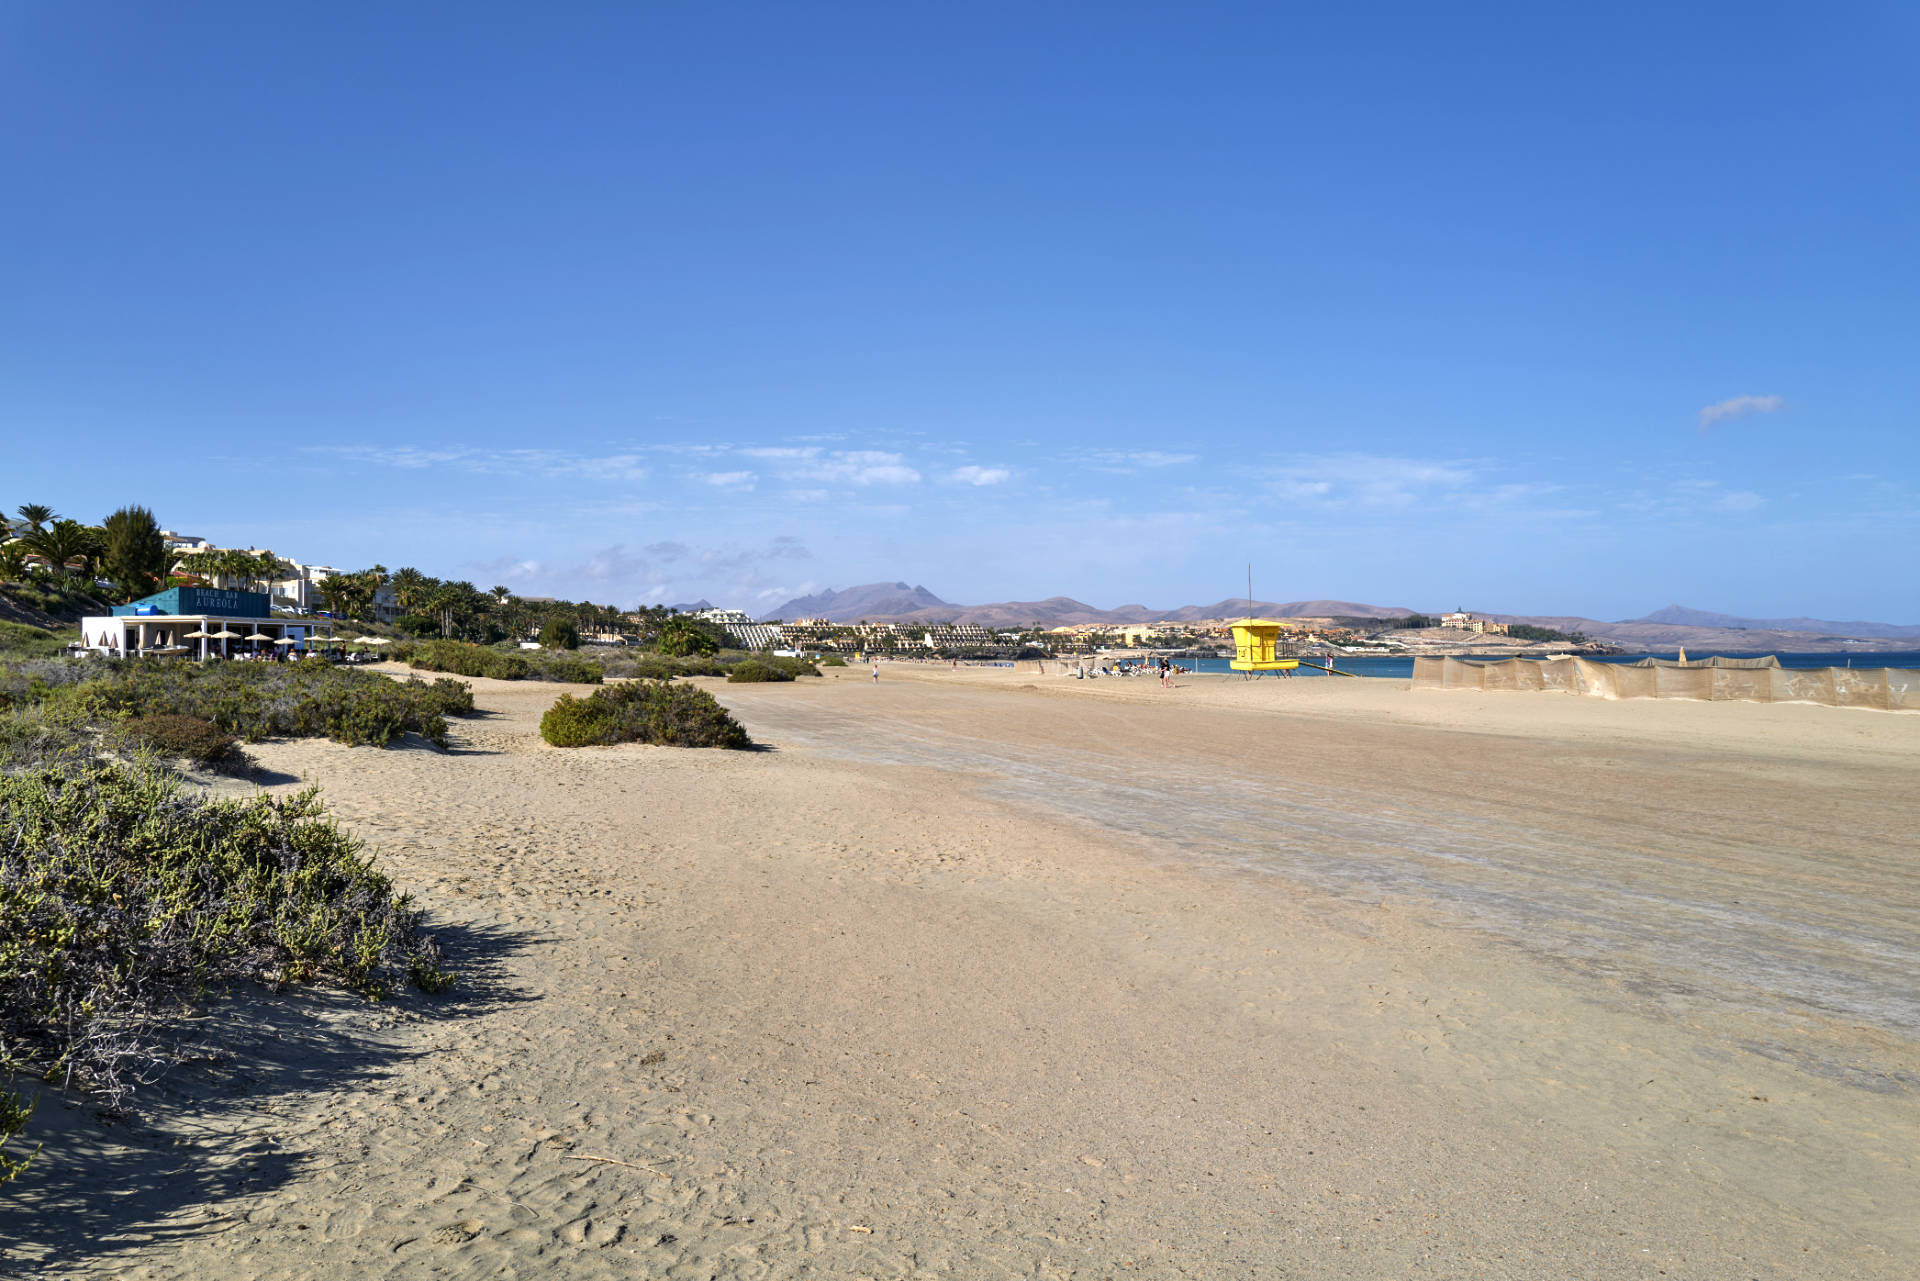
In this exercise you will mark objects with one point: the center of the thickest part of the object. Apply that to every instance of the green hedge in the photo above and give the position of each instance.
(642, 712)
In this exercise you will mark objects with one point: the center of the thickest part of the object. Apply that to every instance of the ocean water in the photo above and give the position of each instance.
(1400, 666)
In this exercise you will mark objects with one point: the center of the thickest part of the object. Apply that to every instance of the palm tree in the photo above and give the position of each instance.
(500, 594)
(63, 543)
(13, 561)
(36, 515)
(411, 588)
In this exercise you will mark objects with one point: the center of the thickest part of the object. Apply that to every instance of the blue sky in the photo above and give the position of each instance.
(1527, 311)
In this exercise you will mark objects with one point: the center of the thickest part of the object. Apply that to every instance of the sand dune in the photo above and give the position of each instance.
(974, 975)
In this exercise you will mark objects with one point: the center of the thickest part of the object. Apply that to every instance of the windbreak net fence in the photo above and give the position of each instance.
(1745, 680)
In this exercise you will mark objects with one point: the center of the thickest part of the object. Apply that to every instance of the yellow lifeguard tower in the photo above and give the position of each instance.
(1255, 645)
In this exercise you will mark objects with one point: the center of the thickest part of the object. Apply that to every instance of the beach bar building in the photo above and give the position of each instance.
(199, 622)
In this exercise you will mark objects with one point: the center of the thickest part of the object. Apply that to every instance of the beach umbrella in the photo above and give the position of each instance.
(226, 634)
(200, 633)
(286, 640)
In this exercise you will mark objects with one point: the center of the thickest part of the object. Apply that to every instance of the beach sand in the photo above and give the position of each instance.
(976, 974)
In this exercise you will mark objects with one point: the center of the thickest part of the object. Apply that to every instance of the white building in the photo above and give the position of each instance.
(178, 544)
(300, 588)
(754, 635)
(721, 616)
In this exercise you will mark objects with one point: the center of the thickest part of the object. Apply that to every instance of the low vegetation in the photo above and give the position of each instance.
(280, 700)
(182, 737)
(463, 659)
(126, 896)
(1528, 632)
(642, 711)
(502, 664)
(18, 640)
(755, 672)
(68, 599)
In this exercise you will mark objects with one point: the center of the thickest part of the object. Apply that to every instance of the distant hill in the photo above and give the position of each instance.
(1680, 615)
(702, 603)
(1640, 634)
(876, 601)
(1237, 608)
(898, 603)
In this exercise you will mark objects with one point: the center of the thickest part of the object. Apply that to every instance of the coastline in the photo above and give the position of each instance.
(930, 999)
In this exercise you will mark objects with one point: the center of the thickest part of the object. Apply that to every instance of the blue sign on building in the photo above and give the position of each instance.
(199, 600)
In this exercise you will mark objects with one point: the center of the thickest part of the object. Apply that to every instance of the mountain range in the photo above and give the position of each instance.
(899, 603)
(1682, 616)
(1667, 628)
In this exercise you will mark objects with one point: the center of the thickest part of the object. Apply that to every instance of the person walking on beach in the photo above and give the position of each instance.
(1166, 673)
(876, 673)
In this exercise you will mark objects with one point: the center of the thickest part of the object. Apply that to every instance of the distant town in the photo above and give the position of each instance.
(68, 568)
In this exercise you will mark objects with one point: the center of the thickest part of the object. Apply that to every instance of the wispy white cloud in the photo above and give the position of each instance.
(624, 466)
(860, 467)
(1128, 460)
(731, 479)
(1739, 407)
(1739, 500)
(1368, 481)
(972, 475)
(781, 451)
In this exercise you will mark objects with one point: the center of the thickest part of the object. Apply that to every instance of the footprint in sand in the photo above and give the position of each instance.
(459, 1232)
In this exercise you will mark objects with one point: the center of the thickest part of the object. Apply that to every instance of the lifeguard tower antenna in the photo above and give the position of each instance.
(1255, 641)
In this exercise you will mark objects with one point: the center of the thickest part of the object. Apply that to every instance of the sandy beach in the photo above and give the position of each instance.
(977, 974)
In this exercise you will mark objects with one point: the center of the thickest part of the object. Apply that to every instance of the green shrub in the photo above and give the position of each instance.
(558, 632)
(199, 741)
(753, 671)
(252, 700)
(686, 638)
(463, 659)
(123, 897)
(14, 1115)
(571, 671)
(68, 598)
(833, 660)
(17, 640)
(446, 696)
(578, 722)
(642, 712)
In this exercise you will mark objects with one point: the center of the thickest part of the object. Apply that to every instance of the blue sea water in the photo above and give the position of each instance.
(1400, 666)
